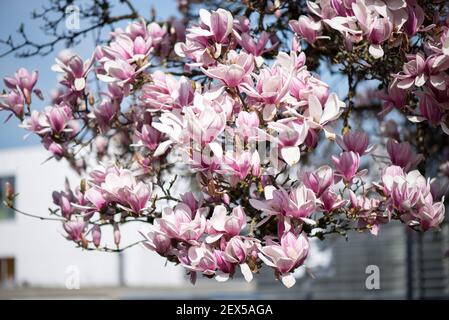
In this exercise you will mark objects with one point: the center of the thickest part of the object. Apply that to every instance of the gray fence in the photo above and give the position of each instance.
(410, 266)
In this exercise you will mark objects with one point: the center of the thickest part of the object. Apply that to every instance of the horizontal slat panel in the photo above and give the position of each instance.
(345, 277)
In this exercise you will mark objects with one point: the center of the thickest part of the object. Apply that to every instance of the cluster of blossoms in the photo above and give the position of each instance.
(424, 78)
(378, 22)
(20, 90)
(420, 87)
(111, 194)
(237, 125)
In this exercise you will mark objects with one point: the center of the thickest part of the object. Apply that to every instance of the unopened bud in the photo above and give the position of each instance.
(91, 100)
(84, 242)
(117, 235)
(9, 190)
(9, 194)
(83, 185)
(96, 235)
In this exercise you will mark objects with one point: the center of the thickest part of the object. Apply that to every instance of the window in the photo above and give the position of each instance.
(7, 274)
(5, 212)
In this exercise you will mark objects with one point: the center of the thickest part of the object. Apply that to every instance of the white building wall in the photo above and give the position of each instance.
(42, 256)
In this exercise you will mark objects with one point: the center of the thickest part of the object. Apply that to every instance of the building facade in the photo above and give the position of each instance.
(34, 252)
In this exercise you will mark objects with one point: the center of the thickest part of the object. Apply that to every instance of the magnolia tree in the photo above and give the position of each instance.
(230, 105)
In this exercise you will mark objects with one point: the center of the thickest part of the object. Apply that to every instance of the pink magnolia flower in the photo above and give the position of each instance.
(319, 180)
(439, 187)
(240, 164)
(415, 17)
(204, 42)
(242, 24)
(199, 259)
(292, 63)
(304, 84)
(404, 190)
(190, 200)
(75, 229)
(96, 198)
(401, 154)
(290, 136)
(347, 165)
(199, 50)
(377, 29)
(58, 118)
(55, 120)
(299, 203)
(431, 215)
(388, 177)
(181, 223)
(125, 48)
(237, 251)
(286, 256)
(224, 268)
(347, 26)
(126, 57)
(216, 24)
(306, 27)
(207, 159)
(429, 107)
(105, 113)
(408, 192)
(134, 29)
(56, 149)
(317, 117)
(65, 200)
(413, 73)
(204, 127)
(412, 197)
(14, 102)
(395, 98)
(173, 125)
(247, 124)
(217, 99)
(156, 240)
(23, 81)
(356, 141)
(115, 93)
(99, 173)
(149, 137)
(122, 187)
(256, 47)
(367, 213)
(223, 224)
(331, 201)
(158, 33)
(121, 72)
(166, 93)
(271, 86)
(74, 73)
(239, 68)
(342, 7)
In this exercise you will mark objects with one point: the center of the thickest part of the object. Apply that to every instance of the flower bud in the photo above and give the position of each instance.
(83, 186)
(96, 235)
(9, 194)
(117, 235)
(91, 100)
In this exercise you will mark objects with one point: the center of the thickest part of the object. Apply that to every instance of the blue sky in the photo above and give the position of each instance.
(14, 12)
